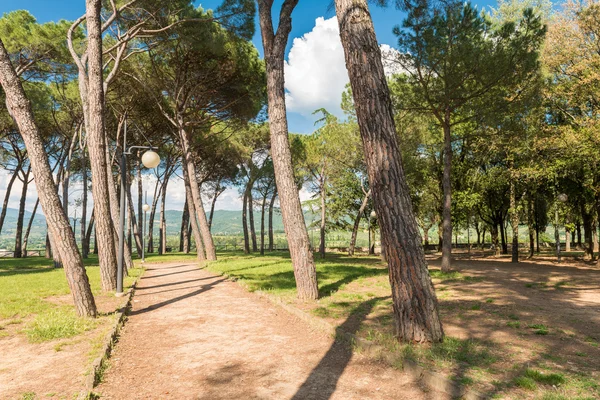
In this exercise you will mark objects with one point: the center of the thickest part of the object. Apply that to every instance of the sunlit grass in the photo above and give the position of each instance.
(27, 287)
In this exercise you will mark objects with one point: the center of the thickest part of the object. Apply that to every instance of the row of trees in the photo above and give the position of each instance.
(485, 125)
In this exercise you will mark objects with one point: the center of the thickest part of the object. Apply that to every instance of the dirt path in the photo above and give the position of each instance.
(194, 335)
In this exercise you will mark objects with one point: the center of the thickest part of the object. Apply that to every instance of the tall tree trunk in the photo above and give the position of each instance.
(135, 223)
(85, 241)
(48, 245)
(163, 222)
(447, 203)
(262, 224)
(361, 210)
(578, 230)
(483, 237)
(7, 196)
(140, 205)
(245, 222)
(323, 214)
(58, 224)
(193, 217)
(568, 241)
(28, 231)
(184, 237)
(213, 203)
(19, 231)
(414, 300)
(514, 219)
(66, 181)
(93, 102)
(587, 230)
(85, 244)
(271, 204)
(196, 200)
(503, 238)
(274, 44)
(495, 239)
(440, 237)
(251, 220)
(530, 226)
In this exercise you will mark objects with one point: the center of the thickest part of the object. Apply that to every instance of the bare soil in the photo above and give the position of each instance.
(194, 335)
(55, 369)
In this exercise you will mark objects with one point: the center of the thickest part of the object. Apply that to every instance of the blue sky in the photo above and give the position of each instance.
(315, 70)
(304, 17)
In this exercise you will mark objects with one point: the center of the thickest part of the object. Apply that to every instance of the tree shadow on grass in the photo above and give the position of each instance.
(323, 379)
(344, 275)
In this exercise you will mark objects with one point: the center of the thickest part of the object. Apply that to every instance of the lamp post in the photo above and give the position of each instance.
(146, 208)
(373, 216)
(150, 159)
(561, 198)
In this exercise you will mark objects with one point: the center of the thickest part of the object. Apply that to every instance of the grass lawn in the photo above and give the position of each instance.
(35, 299)
(500, 337)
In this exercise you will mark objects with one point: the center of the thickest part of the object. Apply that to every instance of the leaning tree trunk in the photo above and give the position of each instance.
(447, 204)
(251, 220)
(193, 218)
(514, 220)
(85, 241)
(271, 204)
(21, 217)
(323, 214)
(218, 191)
(245, 223)
(28, 231)
(7, 196)
(94, 105)
(163, 222)
(530, 227)
(85, 249)
(361, 210)
(262, 224)
(414, 301)
(184, 237)
(196, 199)
(96, 138)
(274, 44)
(58, 224)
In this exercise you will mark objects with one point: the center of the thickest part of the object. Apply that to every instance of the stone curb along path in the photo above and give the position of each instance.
(431, 380)
(91, 379)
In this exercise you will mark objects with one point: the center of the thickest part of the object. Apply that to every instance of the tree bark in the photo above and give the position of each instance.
(447, 202)
(530, 227)
(28, 231)
(251, 220)
(193, 217)
(274, 45)
(184, 237)
(196, 199)
(93, 101)
(271, 204)
(245, 222)
(323, 213)
(135, 223)
(18, 253)
(514, 219)
(495, 239)
(503, 238)
(262, 224)
(361, 210)
(7, 196)
(414, 300)
(85, 244)
(163, 222)
(213, 203)
(58, 224)
(85, 241)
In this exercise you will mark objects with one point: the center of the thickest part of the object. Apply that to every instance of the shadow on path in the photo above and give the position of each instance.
(323, 379)
(153, 307)
(172, 283)
(170, 273)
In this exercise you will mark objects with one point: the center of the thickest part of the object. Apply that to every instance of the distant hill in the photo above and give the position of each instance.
(224, 223)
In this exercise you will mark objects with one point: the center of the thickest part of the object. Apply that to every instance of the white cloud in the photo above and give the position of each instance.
(315, 72)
